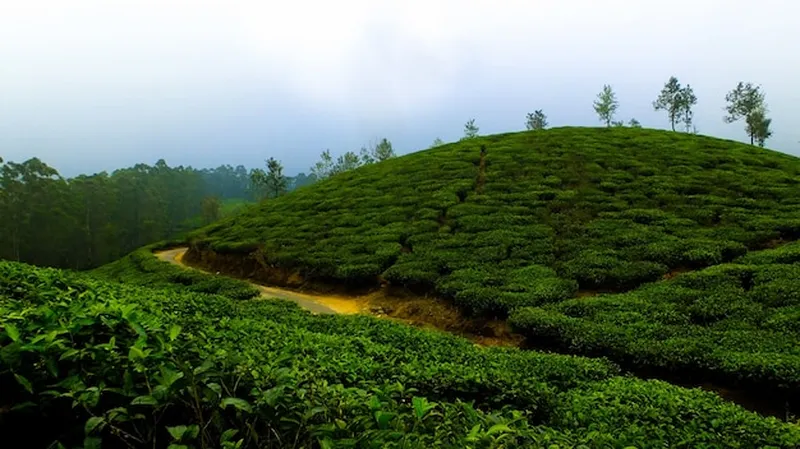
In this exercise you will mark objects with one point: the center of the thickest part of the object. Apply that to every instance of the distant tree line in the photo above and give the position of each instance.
(89, 220)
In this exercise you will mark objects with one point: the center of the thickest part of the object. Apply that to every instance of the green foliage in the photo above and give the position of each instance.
(86, 221)
(758, 126)
(470, 129)
(747, 101)
(91, 363)
(142, 268)
(271, 183)
(211, 209)
(536, 120)
(377, 152)
(324, 167)
(733, 321)
(606, 105)
(610, 209)
(677, 101)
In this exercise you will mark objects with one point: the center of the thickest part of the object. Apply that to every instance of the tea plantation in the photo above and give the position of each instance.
(92, 363)
(570, 232)
(540, 217)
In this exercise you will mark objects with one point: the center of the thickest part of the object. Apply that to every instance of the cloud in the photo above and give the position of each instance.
(89, 75)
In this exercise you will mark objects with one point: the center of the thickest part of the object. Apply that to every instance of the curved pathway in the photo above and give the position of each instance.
(315, 303)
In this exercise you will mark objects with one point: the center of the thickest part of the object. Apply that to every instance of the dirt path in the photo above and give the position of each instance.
(416, 311)
(315, 303)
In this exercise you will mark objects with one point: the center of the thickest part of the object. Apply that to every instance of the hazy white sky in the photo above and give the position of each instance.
(89, 85)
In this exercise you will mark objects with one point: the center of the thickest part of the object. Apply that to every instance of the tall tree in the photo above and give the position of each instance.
(743, 101)
(633, 123)
(470, 129)
(758, 126)
(606, 105)
(669, 100)
(536, 120)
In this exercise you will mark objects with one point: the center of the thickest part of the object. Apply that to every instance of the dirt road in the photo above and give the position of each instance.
(314, 303)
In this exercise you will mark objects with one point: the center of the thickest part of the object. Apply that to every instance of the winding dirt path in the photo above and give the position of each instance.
(422, 312)
(318, 304)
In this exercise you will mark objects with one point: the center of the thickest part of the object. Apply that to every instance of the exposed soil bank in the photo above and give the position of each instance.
(429, 312)
(383, 302)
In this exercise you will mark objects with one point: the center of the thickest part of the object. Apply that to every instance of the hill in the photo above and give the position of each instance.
(90, 362)
(616, 242)
(571, 208)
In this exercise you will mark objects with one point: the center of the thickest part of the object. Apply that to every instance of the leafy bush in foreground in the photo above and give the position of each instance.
(88, 362)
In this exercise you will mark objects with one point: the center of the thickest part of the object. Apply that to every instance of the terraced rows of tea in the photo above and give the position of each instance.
(659, 250)
(620, 251)
(91, 363)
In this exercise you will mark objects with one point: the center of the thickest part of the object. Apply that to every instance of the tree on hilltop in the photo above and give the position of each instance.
(378, 152)
(346, 162)
(271, 183)
(470, 129)
(324, 167)
(758, 127)
(536, 120)
(747, 101)
(606, 105)
(669, 100)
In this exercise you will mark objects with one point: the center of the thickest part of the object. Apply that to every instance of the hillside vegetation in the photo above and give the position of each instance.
(89, 362)
(543, 220)
(542, 215)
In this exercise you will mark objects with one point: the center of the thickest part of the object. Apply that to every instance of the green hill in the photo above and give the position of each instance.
(542, 216)
(89, 363)
(546, 227)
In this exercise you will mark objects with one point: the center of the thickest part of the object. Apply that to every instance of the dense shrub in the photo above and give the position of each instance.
(88, 363)
(735, 321)
(610, 209)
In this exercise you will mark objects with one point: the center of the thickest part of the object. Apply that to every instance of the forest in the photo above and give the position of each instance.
(89, 220)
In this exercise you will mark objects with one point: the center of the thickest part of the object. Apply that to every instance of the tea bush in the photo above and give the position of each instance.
(89, 363)
(734, 322)
(141, 268)
(610, 209)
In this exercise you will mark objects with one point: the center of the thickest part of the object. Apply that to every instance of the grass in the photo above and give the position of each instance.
(549, 218)
(90, 362)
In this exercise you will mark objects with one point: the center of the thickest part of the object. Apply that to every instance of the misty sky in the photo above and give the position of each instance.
(97, 85)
